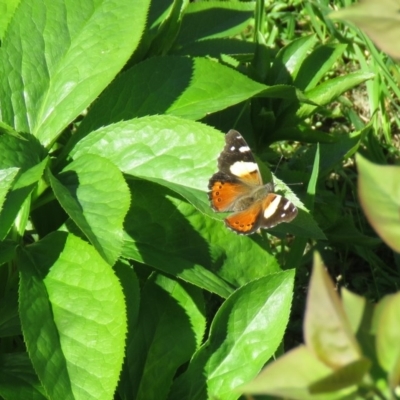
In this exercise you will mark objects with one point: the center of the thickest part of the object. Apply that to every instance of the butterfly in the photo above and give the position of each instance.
(238, 187)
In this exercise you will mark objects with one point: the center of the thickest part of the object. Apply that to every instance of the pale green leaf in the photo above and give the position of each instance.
(380, 199)
(387, 335)
(327, 332)
(305, 371)
(380, 20)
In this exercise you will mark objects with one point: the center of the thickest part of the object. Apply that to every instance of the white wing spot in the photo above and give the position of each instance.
(283, 215)
(233, 148)
(287, 205)
(242, 168)
(272, 207)
(244, 149)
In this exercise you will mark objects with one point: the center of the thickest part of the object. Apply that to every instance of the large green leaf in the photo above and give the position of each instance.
(58, 55)
(94, 194)
(161, 225)
(176, 153)
(189, 88)
(170, 328)
(246, 331)
(73, 317)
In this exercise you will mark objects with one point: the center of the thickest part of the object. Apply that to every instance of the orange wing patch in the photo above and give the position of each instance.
(247, 221)
(224, 194)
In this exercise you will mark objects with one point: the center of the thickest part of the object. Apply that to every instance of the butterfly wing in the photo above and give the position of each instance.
(247, 221)
(276, 209)
(237, 176)
(225, 190)
(238, 187)
(237, 160)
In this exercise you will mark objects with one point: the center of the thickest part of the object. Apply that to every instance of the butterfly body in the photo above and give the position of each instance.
(238, 187)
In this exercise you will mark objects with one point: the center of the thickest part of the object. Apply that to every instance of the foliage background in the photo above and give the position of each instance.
(117, 279)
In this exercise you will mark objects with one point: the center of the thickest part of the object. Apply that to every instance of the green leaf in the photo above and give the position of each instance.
(223, 20)
(244, 334)
(171, 327)
(94, 194)
(73, 317)
(329, 90)
(317, 64)
(23, 187)
(7, 9)
(20, 153)
(167, 29)
(57, 56)
(289, 60)
(18, 379)
(379, 20)
(160, 225)
(7, 177)
(327, 332)
(23, 152)
(180, 86)
(380, 199)
(179, 154)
